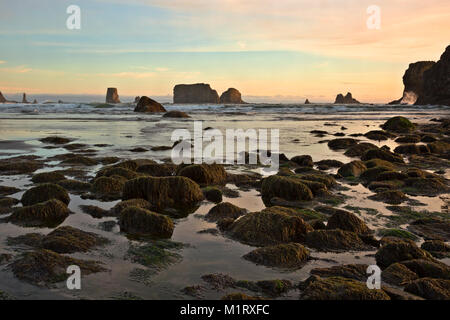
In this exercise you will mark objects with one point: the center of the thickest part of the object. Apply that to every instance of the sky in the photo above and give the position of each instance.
(274, 49)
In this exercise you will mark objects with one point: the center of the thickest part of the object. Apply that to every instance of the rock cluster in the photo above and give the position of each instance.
(348, 99)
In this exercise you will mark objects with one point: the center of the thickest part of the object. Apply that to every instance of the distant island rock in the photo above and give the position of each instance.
(195, 93)
(436, 82)
(413, 81)
(232, 95)
(24, 98)
(348, 99)
(112, 96)
(146, 104)
(136, 100)
(307, 101)
(2, 98)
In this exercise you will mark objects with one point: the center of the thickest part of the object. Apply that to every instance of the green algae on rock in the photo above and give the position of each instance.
(289, 255)
(138, 221)
(45, 192)
(204, 174)
(50, 214)
(224, 210)
(398, 124)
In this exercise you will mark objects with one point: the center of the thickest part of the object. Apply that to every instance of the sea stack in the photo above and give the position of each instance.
(112, 96)
(307, 101)
(348, 99)
(195, 93)
(232, 95)
(2, 98)
(24, 98)
(146, 104)
(436, 82)
(413, 79)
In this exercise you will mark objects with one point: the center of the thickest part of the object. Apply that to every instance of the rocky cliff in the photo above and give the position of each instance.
(2, 98)
(195, 93)
(436, 82)
(232, 95)
(348, 99)
(146, 104)
(112, 96)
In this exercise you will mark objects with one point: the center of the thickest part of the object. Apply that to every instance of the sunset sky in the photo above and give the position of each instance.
(273, 48)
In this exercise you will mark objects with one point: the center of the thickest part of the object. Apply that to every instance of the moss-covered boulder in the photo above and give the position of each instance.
(428, 268)
(439, 147)
(398, 124)
(438, 249)
(359, 149)
(372, 174)
(69, 240)
(269, 227)
(44, 267)
(342, 143)
(425, 186)
(140, 221)
(289, 188)
(49, 213)
(398, 275)
(78, 160)
(74, 185)
(304, 160)
(286, 255)
(412, 148)
(19, 165)
(390, 197)
(347, 221)
(383, 155)
(379, 163)
(408, 139)
(352, 169)
(117, 171)
(164, 192)
(350, 271)
(6, 205)
(213, 194)
(224, 210)
(399, 251)
(45, 177)
(397, 233)
(339, 288)
(204, 174)
(157, 169)
(379, 135)
(140, 203)
(7, 191)
(43, 193)
(109, 186)
(431, 228)
(428, 288)
(335, 240)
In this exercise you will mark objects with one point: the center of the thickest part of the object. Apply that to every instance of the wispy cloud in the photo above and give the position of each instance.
(18, 69)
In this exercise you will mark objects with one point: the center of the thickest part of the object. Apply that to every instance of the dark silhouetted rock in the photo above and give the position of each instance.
(112, 96)
(2, 98)
(307, 101)
(436, 82)
(348, 99)
(195, 93)
(146, 104)
(176, 114)
(24, 98)
(231, 96)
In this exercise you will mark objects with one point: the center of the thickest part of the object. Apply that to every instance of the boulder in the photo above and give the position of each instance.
(383, 155)
(339, 288)
(112, 96)
(348, 99)
(269, 227)
(70, 240)
(213, 194)
(304, 161)
(232, 96)
(390, 197)
(399, 251)
(49, 213)
(349, 271)
(398, 274)
(176, 114)
(139, 203)
(195, 93)
(204, 174)
(342, 143)
(352, 169)
(347, 221)
(438, 249)
(140, 221)
(43, 193)
(2, 98)
(45, 177)
(428, 288)
(289, 255)
(334, 240)
(359, 149)
(224, 210)
(288, 188)
(164, 192)
(146, 104)
(436, 82)
(398, 124)
(428, 268)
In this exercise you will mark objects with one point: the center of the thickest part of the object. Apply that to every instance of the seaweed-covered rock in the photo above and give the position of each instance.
(176, 114)
(359, 149)
(428, 288)
(379, 135)
(397, 233)
(224, 210)
(372, 174)
(383, 155)
(390, 197)
(6, 191)
(213, 194)
(69, 240)
(428, 268)
(55, 140)
(425, 186)
(439, 147)
(431, 228)
(74, 185)
(398, 124)
(46, 177)
(239, 296)
(140, 203)
(335, 240)
(412, 148)
(329, 163)
(347, 221)
(108, 186)
(289, 255)
(408, 139)
(352, 169)
(379, 163)
(49, 213)
(269, 227)
(438, 249)
(342, 143)
(140, 221)
(19, 165)
(204, 174)
(94, 211)
(397, 252)
(117, 171)
(304, 161)
(164, 192)
(288, 188)
(43, 193)
(339, 288)
(78, 160)
(397, 274)
(157, 169)
(43, 267)
(349, 271)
